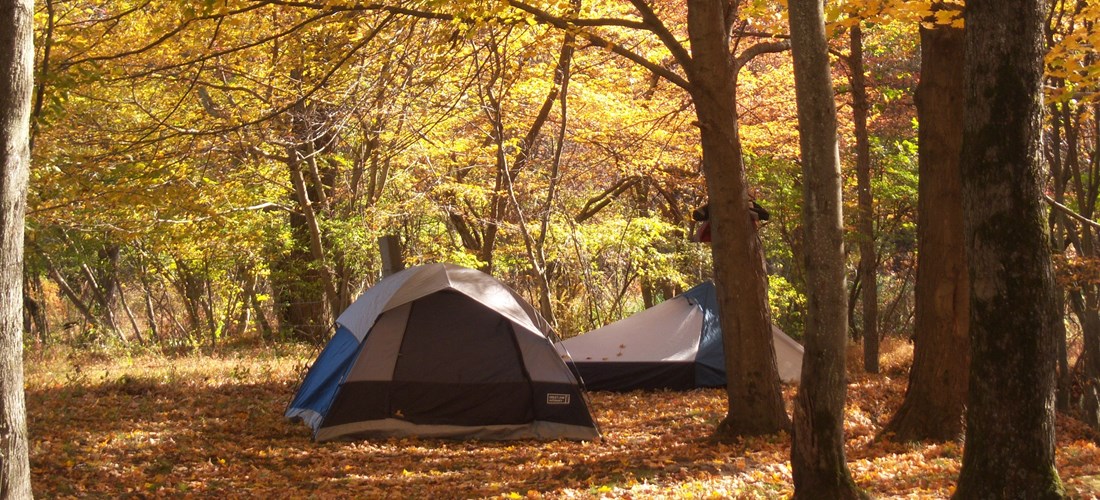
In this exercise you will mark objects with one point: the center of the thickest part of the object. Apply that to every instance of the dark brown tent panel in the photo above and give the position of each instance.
(442, 351)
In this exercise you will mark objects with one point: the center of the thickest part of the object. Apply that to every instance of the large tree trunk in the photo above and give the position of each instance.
(817, 450)
(752, 379)
(936, 399)
(868, 260)
(1010, 416)
(16, 83)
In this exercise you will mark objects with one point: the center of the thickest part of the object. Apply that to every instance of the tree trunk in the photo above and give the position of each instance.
(150, 312)
(100, 294)
(34, 309)
(936, 398)
(1009, 449)
(868, 260)
(316, 239)
(299, 303)
(1059, 229)
(67, 290)
(1067, 169)
(129, 313)
(1088, 403)
(252, 302)
(817, 449)
(16, 84)
(147, 293)
(535, 245)
(752, 379)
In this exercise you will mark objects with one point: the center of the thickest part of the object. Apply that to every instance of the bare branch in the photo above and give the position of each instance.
(568, 24)
(1069, 211)
(658, 28)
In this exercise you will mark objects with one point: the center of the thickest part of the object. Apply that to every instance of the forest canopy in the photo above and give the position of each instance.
(202, 171)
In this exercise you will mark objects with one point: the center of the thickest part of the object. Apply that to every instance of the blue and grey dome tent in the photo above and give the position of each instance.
(675, 345)
(440, 350)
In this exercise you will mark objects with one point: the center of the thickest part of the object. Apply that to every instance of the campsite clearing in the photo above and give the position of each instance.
(212, 426)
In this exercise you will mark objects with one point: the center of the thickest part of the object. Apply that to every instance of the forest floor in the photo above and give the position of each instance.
(202, 426)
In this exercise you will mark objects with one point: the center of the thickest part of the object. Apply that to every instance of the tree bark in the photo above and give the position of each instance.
(1060, 227)
(16, 84)
(817, 449)
(752, 379)
(34, 309)
(753, 388)
(1009, 449)
(868, 260)
(1088, 403)
(936, 398)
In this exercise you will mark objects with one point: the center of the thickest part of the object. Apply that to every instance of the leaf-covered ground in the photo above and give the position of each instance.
(211, 426)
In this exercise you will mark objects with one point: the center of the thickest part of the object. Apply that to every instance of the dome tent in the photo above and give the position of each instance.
(440, 350)
(675, 345)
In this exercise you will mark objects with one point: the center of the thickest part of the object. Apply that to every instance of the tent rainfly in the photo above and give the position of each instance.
(675, 345)
(441, 351)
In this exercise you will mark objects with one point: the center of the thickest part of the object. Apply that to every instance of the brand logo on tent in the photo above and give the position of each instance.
(557, 399)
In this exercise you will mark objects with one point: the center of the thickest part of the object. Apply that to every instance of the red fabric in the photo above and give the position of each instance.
(702, 235)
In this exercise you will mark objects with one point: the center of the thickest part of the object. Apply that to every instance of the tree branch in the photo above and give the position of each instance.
(759, 49)
(1072, 214)
(658, 28)
(565, 24)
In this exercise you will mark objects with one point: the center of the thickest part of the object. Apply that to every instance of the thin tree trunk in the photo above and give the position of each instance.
(34, 308)
(16, 85)
(266, 332)
(817, 450)
(936, 398)
(868, 259)
(244, 320)
(67, 290)
(316, 244)
(167, 301)
(1059, 227)
(129, 313)
(103, 300)
(208, 308)
(1009, 449)
(150, 312)
(561, 76)
(191, 297)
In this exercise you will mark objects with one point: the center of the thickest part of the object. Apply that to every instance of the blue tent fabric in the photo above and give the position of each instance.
(327, 373)
(710, 362)
(674, 345)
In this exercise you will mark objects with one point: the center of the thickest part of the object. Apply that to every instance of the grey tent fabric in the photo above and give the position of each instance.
(442, 351)
(674, 345)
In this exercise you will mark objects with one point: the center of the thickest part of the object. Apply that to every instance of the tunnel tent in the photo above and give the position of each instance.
(674, 345)
(440, 350)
